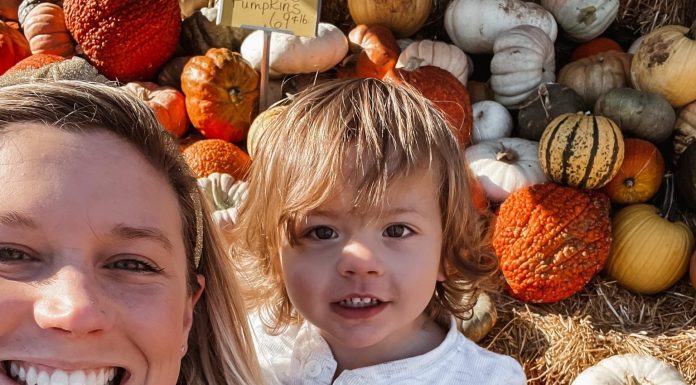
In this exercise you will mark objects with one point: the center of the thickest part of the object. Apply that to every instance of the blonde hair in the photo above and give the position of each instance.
(220, 348)
(392, 131)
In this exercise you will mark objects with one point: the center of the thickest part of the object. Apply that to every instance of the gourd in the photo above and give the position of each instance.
(45, 29)
(630, 369)
(14, 47)
(544, 105)
(377, 52)
(650, 252)
(473, 25)
(641, 114)
(225, 196)
(452, 100)
(491, 121)
(167, 103)
(551, 240)
(483, 318)
(523, 58)
(437, 53)
(582, 151)
(663, 64)
(595, 75)
(583, 20)
(595, 46)
(684, 129)
(290, 54)
(199, 33)
(222, 94)
(640, 174)
(402, 17)
(125, 40)
(503, 166)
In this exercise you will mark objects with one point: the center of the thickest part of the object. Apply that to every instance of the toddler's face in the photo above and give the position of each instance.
(365, 281)
(92, 262)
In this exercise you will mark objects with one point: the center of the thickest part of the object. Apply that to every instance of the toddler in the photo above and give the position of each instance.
(360, 243)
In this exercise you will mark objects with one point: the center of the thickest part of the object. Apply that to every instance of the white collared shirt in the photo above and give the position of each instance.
(301, 356)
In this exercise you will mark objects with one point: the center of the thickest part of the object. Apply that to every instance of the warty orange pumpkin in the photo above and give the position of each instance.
(34, 61)
(207, 156)
(551, 240)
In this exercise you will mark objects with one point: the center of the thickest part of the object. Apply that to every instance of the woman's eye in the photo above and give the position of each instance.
(323, 233)
(10, 254)
(134, 265)
(397, 231)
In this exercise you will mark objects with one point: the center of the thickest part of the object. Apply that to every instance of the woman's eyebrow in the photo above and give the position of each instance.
(152, 233)
(17, 219)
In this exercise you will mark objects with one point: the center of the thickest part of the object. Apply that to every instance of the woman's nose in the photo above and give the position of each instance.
(69, 302)
(360, 258)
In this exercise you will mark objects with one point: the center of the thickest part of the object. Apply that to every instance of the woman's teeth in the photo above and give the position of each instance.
(29, 375)
(359, 302)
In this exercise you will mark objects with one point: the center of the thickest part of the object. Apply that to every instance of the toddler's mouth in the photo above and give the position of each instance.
(358, 302)
(25, 373)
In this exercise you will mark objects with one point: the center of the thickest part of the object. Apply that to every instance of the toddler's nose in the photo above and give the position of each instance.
(360, 258)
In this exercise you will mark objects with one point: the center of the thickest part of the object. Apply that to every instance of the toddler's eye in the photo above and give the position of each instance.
(397, 231)
(323, 233)
(10, 254)
(134, 265)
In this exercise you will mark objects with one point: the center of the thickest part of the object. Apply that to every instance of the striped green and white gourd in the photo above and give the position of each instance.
(581, 150)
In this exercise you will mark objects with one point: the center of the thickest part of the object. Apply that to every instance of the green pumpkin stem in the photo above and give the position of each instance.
(666, 211)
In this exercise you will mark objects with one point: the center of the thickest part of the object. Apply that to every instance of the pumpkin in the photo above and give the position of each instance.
(595, 46)
(199, 33)
(650, 252)
(630, 369)
(259, 126)
(452, 100)
(581, 150)
(25, 6)
(544, 105)
(222, 94)
(641, 114)
(207, 156)
(402, 17)
(479, 91)
(636, 44)
(663, 64)
(640, 174)
(13, 46)
(685, 177)
(75, 68)
(503, 166)
(551, 240)
(170, 73)
(45, 29)
(125, 40)
(523, 58)
(491, 121)
(583, 20)
(597, 74)
(473, 25)
(167, 103)
(35, 61)
(684, 129)
(377, 52)
(290, 54)
(439, 54)
(483, 318)
(224, 195)
(8, 9)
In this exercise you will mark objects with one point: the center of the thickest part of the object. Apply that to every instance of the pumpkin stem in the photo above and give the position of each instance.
(692, 31)
(413, 63)
(668, 200)
(629, 182)
(506, 155)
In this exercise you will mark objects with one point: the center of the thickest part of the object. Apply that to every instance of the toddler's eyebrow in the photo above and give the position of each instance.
(16, 219)
(151, 233)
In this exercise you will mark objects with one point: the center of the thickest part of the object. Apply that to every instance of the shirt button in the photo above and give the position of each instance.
(313, 368)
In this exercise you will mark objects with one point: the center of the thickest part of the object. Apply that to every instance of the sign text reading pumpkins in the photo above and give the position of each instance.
(298, 17)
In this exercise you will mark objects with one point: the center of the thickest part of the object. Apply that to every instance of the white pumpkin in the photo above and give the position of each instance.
(583, 20)
(289, 54)
(439, 54)
(636, 44)
(491, 121)
(523, 59)
(505, 165)
(630, 369)
(483, 318)
(224, 195)
(473, 25)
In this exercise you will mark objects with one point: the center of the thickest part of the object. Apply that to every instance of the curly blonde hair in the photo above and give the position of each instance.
(300, 163)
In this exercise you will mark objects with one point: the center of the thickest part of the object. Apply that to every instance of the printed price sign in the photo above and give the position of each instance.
(297, 17)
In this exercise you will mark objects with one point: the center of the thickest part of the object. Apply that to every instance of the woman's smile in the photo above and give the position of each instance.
(24, 372)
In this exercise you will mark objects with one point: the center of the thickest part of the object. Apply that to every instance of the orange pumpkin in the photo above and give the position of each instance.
(595, 46)
(551, 240)
(167, 103)
(45, 29)
(9, 9)
(125, 40)
(222, 94)
(207, 156)
(640, 174)
(13, 45)
(34, 61)
(445, 91)
(378, 54)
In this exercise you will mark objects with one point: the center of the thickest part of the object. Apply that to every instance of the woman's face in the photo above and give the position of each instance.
(92, 263)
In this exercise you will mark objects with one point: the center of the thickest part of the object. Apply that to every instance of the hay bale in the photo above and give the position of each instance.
(646, 15)
(555, 342)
